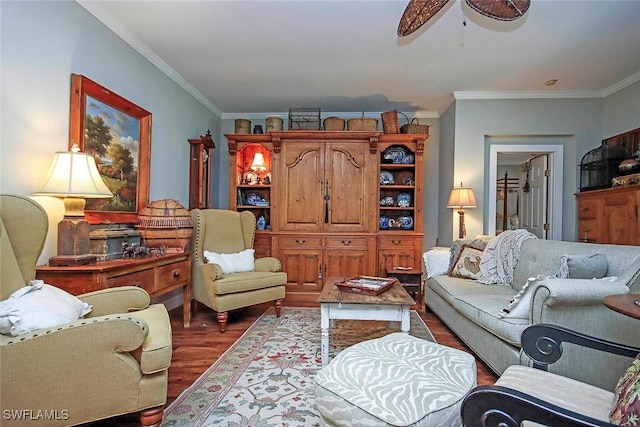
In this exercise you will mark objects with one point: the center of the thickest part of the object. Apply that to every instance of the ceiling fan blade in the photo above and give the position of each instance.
(417, 13)
(503, 10)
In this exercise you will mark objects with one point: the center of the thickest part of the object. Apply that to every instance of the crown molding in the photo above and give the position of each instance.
(101, 15)
(529, 95)
(634, 78)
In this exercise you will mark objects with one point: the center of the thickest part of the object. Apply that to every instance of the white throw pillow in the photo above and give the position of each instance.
(39, 306)
(232, 263)
(436, 261)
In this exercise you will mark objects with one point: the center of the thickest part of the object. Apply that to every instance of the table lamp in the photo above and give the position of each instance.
(73, 177)
(258, 164)
(461, 198)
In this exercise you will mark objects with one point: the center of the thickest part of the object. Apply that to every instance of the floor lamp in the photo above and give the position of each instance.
(461, 198)
(73, 177)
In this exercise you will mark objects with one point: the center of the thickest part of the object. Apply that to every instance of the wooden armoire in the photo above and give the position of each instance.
(322, 195)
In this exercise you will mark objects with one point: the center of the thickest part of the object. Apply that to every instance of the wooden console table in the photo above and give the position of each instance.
(156, 275)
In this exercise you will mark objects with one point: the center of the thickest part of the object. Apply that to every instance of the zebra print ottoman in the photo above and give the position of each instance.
(396, 380)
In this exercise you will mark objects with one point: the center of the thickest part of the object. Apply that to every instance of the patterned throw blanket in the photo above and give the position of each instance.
(501, 255)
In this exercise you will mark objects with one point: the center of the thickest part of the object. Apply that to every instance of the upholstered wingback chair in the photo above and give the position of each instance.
(228, 232)
(113, 361)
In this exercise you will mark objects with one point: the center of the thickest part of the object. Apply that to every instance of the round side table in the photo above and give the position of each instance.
(627, 304)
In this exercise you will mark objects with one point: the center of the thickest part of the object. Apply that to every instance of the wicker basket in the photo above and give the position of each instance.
(416, 127)
(390, 122)
(333, 123)
(165, 223)
(362, 124)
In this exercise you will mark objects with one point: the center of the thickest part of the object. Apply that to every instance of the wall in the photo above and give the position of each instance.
(576, 121)
(43, 43)
(621, 111)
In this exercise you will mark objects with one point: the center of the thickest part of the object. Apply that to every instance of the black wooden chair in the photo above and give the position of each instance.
(531, 394)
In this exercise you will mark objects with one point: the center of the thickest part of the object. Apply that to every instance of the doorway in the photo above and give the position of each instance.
(540, 211)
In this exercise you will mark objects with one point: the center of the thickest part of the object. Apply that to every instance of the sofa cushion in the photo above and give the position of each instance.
(626, 406)
(484, 309)
(248, 281)
(467, 265)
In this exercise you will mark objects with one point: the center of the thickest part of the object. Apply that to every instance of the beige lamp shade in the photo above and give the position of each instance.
(461, 198)
(74, 174)
(258, 163)
(73, 177)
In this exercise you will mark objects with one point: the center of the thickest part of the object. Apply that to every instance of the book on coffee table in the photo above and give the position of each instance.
(366, 285)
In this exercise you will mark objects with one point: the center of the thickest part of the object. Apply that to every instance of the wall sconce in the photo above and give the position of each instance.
(258, 164)
(73, 177)
(461, 198)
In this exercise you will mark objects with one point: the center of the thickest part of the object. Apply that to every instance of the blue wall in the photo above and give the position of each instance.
(43, 43)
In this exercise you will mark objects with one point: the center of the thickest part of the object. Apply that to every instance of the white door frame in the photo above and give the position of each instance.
(555, 186)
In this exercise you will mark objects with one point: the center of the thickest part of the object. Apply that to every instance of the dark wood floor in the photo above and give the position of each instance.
(196, 348)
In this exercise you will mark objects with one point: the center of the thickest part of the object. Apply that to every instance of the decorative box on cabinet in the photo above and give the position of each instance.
(156, 275)
(609, 215)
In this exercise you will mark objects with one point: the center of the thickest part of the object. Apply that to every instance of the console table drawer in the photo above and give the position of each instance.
(172, 274)
(142, 279)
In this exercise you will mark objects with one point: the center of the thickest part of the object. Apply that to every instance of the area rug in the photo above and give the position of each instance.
(266, 378)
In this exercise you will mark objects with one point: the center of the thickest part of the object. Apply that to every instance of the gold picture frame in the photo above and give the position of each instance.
(117, 133)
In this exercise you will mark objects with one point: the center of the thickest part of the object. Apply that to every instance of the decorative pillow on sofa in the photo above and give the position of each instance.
(587, 266)
(457, 247)
(232, 263)
(39, 306)
(467, 266)
(626, 405)
(436, 261)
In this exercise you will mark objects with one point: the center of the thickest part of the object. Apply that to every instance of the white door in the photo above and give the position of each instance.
(535, 202)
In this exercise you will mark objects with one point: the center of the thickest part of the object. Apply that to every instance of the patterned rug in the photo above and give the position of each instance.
(266, 378)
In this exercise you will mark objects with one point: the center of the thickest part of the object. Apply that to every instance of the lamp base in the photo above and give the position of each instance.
(72, 260)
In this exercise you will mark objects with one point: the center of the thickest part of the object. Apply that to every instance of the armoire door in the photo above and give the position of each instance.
(326, 186)
(350, 183)
(300, 186)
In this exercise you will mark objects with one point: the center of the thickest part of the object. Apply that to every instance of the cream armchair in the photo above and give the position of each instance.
(229, 232)
(113, 361)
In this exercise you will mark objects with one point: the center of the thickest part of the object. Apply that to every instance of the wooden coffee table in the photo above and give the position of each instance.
(392, 305)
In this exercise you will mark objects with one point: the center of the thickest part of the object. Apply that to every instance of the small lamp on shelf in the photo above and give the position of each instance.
(258, 164)
(461, 198)
(73, 177)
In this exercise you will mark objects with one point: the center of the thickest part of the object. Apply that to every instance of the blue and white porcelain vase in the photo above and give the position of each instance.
(261, 223)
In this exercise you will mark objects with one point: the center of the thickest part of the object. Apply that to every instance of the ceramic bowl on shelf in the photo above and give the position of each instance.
(387, 201)
(386, 178)
(403, 200)
(394, 154)
(406, 222)
(254, 199)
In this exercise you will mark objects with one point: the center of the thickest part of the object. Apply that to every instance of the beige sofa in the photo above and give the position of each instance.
(472, 309)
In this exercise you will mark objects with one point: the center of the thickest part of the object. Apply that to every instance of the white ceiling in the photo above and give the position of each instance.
(345, 56)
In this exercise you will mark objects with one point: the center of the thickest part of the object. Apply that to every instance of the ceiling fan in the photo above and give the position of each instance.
(419, 12)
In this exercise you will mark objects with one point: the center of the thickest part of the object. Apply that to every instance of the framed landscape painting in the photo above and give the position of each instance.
(117, 133)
